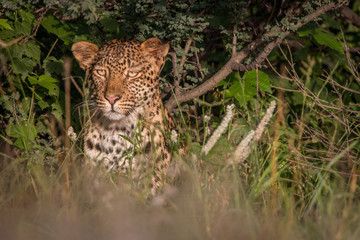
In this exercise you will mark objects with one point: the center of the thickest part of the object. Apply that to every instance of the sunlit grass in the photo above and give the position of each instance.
(208, 200)
(299, 181)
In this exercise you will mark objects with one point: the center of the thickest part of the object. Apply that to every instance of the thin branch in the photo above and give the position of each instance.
(234, 41)
(5, 45)
(326, 106)
(77, 86)
(175, 72)
(279, 74)
(236, 59)
(351, 65)
(339, 85)
(263, 55)
(36, 28)
(198, 65)
(285, 89)
(213, 104)
(350, 16)
(186, 50)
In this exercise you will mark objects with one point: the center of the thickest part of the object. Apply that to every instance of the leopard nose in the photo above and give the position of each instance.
(112, 99)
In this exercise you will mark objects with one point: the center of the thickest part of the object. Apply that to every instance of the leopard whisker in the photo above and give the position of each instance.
(85, 103)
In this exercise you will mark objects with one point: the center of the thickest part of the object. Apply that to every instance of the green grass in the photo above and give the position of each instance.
(209, 200)
(299, 182)
(208, 204)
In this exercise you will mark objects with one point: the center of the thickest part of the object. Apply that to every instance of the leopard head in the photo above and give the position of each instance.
(124, 74)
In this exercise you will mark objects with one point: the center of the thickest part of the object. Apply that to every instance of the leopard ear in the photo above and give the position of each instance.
(85, 53)
(155, 51)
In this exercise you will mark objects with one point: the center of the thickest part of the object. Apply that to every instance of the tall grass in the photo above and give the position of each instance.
(300, 180)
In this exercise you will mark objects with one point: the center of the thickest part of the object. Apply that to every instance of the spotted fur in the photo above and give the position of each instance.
(125, 100)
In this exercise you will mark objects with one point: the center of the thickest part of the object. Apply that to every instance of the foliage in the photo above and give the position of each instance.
(303, 172)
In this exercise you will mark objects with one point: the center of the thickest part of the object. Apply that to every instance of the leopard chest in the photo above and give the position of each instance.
(110, 144)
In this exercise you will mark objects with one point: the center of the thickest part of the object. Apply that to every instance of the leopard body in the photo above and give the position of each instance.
(126, 108)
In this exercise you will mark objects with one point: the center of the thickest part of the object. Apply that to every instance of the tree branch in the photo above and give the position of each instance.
(186, 50)
(234, 40)
(36, 28)
(5, 45)
(176, 73)
(234, 62)
(350, 16)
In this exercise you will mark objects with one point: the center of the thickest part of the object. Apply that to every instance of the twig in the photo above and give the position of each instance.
(36, 28)
(186, 50)
(236, 59)
(319, 102)
(77, 86)
(285, 89)
(214, 104)
(340, 86)
(234, 41)
(350, 16)
(279, 74)
(348, 58)
(5, 45)
(176, 73)
(198, 65)
(262, 56)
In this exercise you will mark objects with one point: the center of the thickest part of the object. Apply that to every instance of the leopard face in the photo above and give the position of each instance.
(124, 74)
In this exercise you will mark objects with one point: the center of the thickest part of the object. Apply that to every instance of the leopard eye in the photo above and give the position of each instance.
(132, 74)
(101, 72)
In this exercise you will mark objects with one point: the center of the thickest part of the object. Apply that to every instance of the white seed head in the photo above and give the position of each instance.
(264, 121)
(72, 135)
(220, 129)
(174, 136)
(244, 148)
(206, 118)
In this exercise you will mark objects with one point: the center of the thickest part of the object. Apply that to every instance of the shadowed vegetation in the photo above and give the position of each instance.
(301, 177)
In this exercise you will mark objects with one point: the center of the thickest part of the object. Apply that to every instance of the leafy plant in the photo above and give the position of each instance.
(244, 89)
(300, 180)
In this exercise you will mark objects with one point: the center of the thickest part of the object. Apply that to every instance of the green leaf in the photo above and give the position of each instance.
(8, 35)
(23, 66)
(245, 89)
(62, 30)
(33, 80)
(29, 50)
(5, 25)
(43, 104)
(25, 26)
(321, 36)
(53, 66)
(109, 24)
(57, 111)
(237, 91)
(6, 103)
(50, 84)
(22, 28)
(262, 78)
(24, 132)
(27, 16)
(324, 38)
(32, 50)
(25, 104)
(47, 82)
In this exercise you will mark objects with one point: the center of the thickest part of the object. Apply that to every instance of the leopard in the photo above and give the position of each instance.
(125, 104)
